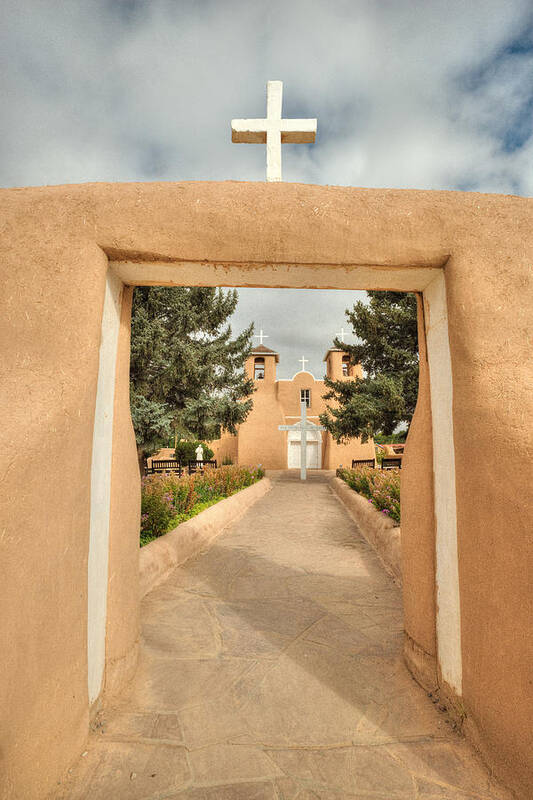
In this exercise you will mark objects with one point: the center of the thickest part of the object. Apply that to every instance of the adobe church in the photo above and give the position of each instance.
(276, 401)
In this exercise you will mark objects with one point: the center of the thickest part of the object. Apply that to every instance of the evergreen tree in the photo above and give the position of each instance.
(388, 352)
(187, 372)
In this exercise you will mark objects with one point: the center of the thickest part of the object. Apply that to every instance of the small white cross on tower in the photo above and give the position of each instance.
(303, 362)
(341, 335)
(273, 130)
(260, 336)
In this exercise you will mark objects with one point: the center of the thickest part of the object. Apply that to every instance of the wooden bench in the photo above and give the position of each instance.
(165, 465)
(389, 462)
(363, 462)
(199, 466)
(173, 465)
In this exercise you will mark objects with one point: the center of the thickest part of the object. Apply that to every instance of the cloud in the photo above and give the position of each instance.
(406, 93)
(298, 322)
(433, 95)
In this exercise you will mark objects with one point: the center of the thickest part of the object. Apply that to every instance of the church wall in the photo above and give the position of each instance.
(289, 396)
(54, 257)
(270, 368)
(259, 440)
(334, 361)
(336, 455)
(334, 365)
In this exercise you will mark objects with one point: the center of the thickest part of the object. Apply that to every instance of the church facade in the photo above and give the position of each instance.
(277, 402)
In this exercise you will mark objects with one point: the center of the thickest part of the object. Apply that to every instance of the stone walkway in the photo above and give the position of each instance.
(271, 669)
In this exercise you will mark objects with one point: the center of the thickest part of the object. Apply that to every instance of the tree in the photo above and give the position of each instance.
(388, 353)
(187, 374)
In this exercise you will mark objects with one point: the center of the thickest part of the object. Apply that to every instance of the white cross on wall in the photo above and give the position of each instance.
(303, 426)
(273, 130)
(260, 336)
(303, 362)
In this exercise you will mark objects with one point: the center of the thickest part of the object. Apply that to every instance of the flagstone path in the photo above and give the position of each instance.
(271, 669)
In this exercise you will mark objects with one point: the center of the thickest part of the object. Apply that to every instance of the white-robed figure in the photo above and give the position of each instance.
(199, 453)
(303, 426)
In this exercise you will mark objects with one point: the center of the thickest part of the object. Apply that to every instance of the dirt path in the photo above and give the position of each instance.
(271, 669)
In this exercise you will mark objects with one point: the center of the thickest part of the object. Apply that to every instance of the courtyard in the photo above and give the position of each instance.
(271, 669)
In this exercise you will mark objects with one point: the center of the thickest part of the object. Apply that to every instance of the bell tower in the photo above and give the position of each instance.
(260, 441)
(261, 365)
(338, 366)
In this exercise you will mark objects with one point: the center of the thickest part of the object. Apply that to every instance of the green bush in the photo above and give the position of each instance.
(381, 488)
(186, 451)
(167, 500)
(391, 438)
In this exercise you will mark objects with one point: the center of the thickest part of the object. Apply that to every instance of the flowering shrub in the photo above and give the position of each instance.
(381, 488)
(167, 500)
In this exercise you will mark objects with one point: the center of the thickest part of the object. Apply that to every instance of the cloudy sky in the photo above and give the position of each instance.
(431, 94)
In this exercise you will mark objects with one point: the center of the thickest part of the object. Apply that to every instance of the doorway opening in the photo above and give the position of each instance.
(428, 281)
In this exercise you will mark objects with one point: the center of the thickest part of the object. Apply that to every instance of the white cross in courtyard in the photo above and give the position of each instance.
(260, 336)
(341, 335)
(273, 130)
(303, 362)
(303, 426)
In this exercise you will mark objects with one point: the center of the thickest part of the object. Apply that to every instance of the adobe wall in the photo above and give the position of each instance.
(55, 246)
(418, 530)
(225, 448)
(490, 302)
(53, 283)
(269, 362)
(288, 396)
(334, 367)
(122, 630)
(162, 454)
(336, 455)
(259, 440)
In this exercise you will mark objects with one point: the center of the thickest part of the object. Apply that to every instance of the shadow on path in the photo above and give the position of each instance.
(271, 668)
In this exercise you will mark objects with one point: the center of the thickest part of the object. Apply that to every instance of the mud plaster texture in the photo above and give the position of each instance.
(57, 244)
(271, 668)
